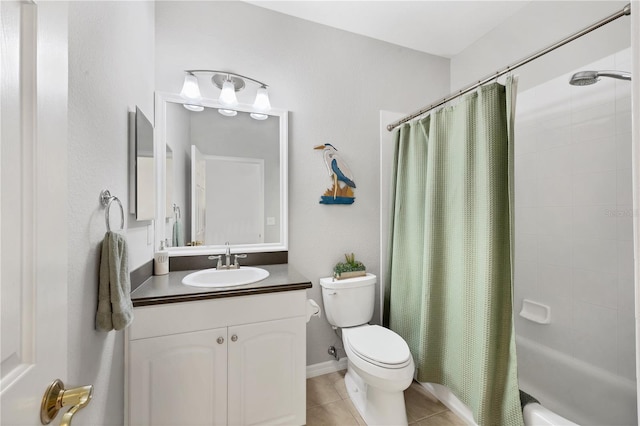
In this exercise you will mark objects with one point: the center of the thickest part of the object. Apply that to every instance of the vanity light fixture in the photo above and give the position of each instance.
(229, 83)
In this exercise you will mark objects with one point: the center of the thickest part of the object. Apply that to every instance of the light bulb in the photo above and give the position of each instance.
(262, 103)
(257, 116)
(192, 107)
(228, 112)
(228, 94)
(190, 89)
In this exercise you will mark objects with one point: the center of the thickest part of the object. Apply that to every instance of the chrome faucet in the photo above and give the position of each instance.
(227, 261)
(227, 255)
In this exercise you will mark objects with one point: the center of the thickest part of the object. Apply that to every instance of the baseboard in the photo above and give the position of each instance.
(326, 367)
(451, 401)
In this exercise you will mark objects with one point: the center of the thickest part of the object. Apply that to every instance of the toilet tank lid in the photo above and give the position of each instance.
(332, 283)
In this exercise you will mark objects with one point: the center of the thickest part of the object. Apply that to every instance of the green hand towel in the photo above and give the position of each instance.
(178, 234)
(115, 310)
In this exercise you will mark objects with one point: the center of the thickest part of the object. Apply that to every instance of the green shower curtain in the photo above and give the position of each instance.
(449, 292)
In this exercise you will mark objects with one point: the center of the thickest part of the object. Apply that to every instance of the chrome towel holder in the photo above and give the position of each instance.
(106, 199)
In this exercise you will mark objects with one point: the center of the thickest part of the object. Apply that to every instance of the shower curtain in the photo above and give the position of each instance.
(449, 292)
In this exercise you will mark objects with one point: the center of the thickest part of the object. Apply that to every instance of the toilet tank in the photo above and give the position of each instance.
(348, 302)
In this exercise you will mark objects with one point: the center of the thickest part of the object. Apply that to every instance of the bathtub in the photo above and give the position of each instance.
(574, 389)
(568, 388)
(533, 414)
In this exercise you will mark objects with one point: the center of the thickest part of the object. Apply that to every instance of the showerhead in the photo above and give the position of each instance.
(586, 78)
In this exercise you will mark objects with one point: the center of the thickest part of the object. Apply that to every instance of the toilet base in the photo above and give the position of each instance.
(375, 405)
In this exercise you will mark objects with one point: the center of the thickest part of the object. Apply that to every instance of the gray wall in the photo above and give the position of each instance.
(179, 140)
(334, 84)
(111, 60)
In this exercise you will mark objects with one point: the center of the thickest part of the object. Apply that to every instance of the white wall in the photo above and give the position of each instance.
(334, 84)
(536, 26)
(111, 58)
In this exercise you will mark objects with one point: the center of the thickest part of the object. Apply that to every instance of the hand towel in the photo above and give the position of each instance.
(178, 234)
(115, 310)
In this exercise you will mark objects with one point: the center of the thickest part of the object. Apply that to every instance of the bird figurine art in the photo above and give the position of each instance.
(339, 172)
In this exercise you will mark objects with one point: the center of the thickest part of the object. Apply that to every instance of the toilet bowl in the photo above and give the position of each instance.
(380, 366)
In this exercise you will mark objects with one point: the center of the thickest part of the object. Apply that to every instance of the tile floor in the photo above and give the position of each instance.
(329, 404)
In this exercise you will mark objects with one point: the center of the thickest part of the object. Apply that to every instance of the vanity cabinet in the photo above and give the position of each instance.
(237, 361)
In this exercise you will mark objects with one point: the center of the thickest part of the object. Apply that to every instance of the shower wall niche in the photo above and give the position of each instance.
(574, 248)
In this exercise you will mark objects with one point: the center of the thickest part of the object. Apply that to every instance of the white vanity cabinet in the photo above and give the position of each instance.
(236, 361)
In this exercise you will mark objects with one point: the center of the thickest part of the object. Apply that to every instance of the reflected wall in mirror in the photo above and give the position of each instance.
(142, 182)
(169, 207)
(229, 178)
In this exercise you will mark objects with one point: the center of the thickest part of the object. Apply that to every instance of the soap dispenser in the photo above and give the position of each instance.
(161, 260)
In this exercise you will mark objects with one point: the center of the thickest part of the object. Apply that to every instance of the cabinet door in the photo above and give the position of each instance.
(179, 379)
(267, 368)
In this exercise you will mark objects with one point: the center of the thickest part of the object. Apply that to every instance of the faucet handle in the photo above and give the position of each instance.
(236, 257)
(218, 258)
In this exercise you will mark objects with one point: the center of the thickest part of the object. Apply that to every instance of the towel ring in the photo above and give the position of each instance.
(106, 199)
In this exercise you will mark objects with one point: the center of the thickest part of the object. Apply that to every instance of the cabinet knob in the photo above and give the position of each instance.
(234, 338)
(220, 340)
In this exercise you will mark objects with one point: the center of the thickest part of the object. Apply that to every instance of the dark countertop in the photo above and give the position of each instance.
(160, 289)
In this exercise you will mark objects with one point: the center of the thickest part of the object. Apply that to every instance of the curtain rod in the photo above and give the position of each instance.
(625, 11)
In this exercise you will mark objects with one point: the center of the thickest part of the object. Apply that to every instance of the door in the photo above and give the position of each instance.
(241, 180)
(179, 379)
(267, 368)
(33, 200)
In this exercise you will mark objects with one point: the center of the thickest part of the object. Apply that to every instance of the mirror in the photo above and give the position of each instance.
(141, 163)
(226, 178)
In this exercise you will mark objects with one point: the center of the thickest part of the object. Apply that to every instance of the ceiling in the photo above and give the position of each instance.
(443, 28)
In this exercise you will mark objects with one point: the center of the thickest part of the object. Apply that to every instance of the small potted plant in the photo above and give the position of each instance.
(350, 268)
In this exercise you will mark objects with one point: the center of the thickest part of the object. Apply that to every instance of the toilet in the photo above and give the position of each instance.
(380, 366)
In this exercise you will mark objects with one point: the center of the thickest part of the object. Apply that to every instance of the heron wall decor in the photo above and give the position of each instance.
(341, 192)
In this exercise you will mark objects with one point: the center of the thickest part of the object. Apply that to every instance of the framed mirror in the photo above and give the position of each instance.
(142, 182)
(227, 177)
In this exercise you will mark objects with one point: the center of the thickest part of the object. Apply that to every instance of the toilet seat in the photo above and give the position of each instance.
(378, 345)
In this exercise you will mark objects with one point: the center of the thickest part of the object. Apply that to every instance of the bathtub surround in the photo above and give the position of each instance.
(451, 271)
(574, 248)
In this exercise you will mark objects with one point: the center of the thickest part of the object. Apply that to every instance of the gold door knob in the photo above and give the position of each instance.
(234, 338)
(56, 397)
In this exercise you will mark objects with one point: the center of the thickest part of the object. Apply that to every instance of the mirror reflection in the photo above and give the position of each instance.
(224, 181)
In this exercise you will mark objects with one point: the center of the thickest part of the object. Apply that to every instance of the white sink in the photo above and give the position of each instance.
(225, 277)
